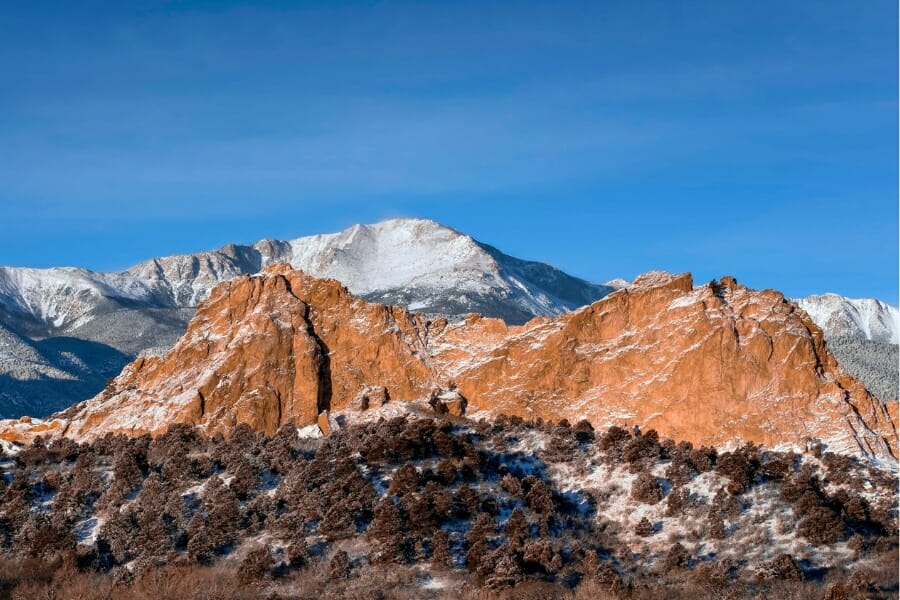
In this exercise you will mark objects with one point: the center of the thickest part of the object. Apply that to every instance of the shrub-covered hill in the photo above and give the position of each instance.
(421, 507)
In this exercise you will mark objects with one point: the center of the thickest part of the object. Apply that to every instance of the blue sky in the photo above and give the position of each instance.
(608, 138)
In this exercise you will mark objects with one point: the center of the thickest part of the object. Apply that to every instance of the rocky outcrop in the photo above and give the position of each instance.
(267, 351)
(448, 402)
(712, 364)
(370, 396)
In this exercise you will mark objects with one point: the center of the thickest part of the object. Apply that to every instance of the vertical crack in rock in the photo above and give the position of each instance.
(325, 387)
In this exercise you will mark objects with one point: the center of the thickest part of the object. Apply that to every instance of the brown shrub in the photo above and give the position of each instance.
(782, 567)
(505, 570)
(339, 566)
(517, 529)
(539, 499)
(256, 565)
(821, 525)
(644, 528)
(677, 502)
(739, 467)
(405, 480)
(677, 557)
(441, 556)
(647, 489)
(715, 527)
(614, 439)
(584, 431)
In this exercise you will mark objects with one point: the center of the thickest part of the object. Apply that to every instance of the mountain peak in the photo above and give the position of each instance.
(868, 318)
(412, 262)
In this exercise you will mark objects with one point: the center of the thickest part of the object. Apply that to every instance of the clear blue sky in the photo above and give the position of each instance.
(757, 139)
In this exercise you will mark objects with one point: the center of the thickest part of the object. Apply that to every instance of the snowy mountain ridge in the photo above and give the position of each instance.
(865, 318)
(414, 262)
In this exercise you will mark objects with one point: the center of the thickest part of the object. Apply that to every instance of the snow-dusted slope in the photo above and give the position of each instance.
(429, 267)
(415, 262)
(54, 297)
(40, 377)
(866, 318)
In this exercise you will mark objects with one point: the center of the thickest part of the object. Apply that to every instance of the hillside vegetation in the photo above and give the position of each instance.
(420, 507)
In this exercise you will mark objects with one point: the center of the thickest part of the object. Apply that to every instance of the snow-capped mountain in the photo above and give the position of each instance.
(865, 318)
(416, 263)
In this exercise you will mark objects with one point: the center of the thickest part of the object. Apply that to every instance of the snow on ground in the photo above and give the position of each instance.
(309, 432)
(86, 531)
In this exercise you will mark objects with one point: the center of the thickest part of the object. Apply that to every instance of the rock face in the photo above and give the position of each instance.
(712, 364)
(265, 350)
(709, 364)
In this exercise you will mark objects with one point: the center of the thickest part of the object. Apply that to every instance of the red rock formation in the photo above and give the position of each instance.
(711, 364)
(266, 351)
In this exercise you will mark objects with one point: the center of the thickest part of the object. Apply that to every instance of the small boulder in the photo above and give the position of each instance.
(360, 402)
(378, 396)
(327, 423)
(448, 402)
(370, 396)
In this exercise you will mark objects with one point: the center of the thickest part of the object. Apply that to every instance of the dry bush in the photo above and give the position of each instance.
(339, 566)
(739, 467)
(256, 565)
(677, 502)
(584, 432)
(821, 525)
(715, 526)
(782, 567)
(646, 488)
(644, 528)
(613, 441)
(676, 558)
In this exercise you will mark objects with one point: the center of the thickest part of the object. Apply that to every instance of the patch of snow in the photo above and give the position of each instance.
(86, 531)
(309, 432)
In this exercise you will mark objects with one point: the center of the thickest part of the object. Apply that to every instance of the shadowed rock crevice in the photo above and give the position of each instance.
(325, 387)
(323, 401)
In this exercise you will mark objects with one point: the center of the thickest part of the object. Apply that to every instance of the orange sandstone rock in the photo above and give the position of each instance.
(711, 364)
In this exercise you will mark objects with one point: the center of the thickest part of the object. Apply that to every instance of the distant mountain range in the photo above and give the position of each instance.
(864, 318)
(65, 331)
(417, 263)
